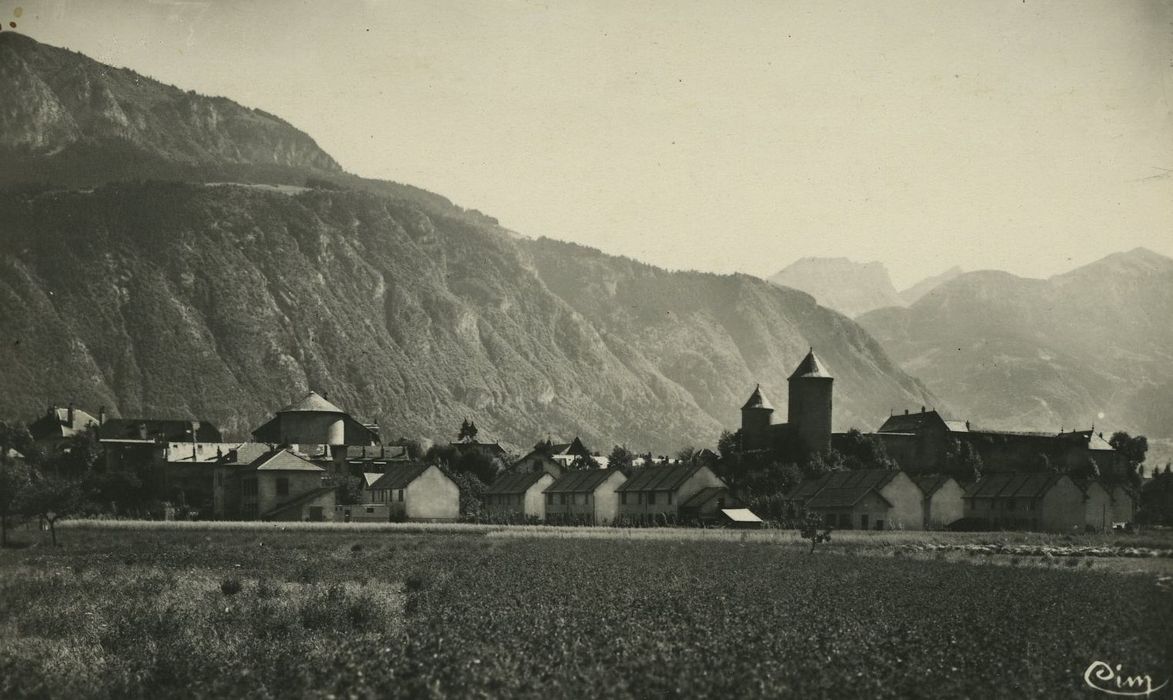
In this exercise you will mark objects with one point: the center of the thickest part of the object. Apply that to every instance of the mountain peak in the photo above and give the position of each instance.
(75, 121)
(849, 287)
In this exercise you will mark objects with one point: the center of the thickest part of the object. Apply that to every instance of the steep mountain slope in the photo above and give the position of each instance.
(848, 287)
(918, 290)
(1092, 345)
(225, 301)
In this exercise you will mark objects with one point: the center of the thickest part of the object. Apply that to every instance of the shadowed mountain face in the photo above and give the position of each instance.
(1091, 345)
(224, 302)
(849, 287)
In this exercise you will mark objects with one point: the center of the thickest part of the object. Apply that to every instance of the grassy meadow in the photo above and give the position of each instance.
(192, 610)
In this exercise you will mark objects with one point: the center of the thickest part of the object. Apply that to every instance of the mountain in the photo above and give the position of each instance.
(848, 287)
(259, 269)
(1093, 345)
(918, 290)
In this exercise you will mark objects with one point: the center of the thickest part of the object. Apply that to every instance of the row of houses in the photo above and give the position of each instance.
(883, 499)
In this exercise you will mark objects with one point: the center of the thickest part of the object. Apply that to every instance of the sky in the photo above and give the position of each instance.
(1027, 136)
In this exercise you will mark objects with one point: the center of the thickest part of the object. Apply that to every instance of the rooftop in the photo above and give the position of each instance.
(582, 480)
(312, 403)
(811, 368)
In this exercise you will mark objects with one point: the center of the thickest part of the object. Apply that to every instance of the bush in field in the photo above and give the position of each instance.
(51, 498)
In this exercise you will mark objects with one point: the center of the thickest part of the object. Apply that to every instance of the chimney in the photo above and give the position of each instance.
(922, 408)
(906, 411)
(967, 425)
(102, 416)
(195, 428)
(69, 413)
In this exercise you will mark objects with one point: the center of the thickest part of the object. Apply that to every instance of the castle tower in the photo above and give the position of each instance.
(809, 404)
(756, 416)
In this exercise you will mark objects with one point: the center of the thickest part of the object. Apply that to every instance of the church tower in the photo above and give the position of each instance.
(756, 416)
(809, 404)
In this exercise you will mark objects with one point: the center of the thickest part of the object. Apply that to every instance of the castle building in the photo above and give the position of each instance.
(317, 428)
(808, 430)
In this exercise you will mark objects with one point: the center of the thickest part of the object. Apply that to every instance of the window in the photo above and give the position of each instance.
(639, 498)
(370, 510)
(652, 498)
(549, 499)
(879, 523)
(863, 521)
(1009, 504)
(845, 521)
(669, 498)
(562, 499)
(282, 486)
(401, 495)
(623, 498)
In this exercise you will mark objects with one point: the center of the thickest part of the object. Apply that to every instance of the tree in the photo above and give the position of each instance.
(810, 530)
(468, 431)
(584, 462)
(729, 444)
(14, 436)
(864, 452)
(1132, 449)
(963, 462)
(686, 454)
(76, 455)
(348, 489)
(820, 463)
(620, 458)
(14, 477)
(51, 498)
(472, 490)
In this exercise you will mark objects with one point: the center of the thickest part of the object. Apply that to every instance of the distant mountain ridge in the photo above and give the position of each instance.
(849, 287)
(1093, 345)
(184, 296)
(928, 284)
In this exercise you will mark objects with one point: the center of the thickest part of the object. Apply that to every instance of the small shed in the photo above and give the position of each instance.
(740, 519)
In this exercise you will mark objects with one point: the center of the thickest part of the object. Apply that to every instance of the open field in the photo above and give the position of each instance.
(459, 611)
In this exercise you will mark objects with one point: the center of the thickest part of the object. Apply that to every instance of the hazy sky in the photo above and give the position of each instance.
(1026, 136)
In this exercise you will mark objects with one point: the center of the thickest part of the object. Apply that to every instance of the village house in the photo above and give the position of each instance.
(1097, 504)
(944, 501)
(135, 444)
(417, 492)
(706, 506)
(60, 424)
(584, 496)
(518, 495)
(536, 461)
(864, 499)
(1123, 503)
(277, 484)
(655, 493)
(1048, 502)
(563, 454)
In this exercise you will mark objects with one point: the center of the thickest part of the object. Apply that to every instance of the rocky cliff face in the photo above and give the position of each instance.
(76, 118)
(1090, 346)
(848, 287)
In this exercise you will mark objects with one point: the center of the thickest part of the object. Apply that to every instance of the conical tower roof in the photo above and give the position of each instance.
(313, 402)
(758, 400)
(811, 367)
